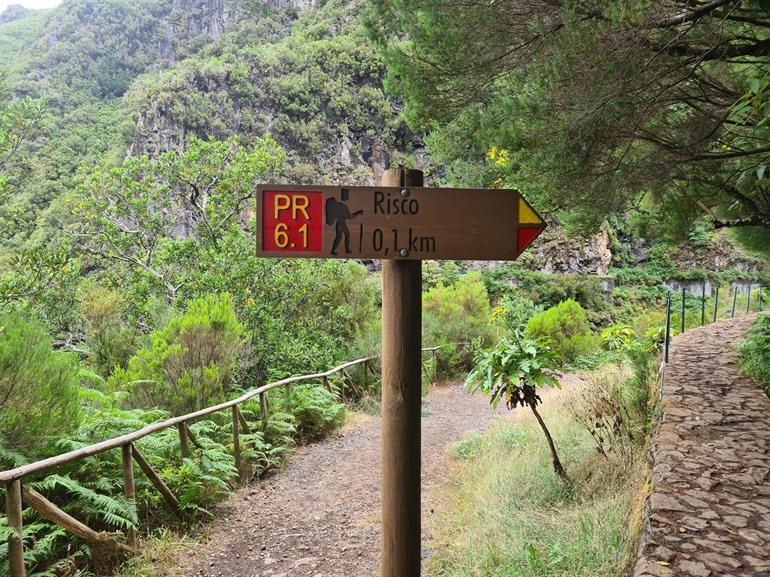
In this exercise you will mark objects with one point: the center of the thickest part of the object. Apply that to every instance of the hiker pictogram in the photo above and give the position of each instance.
(337, 214)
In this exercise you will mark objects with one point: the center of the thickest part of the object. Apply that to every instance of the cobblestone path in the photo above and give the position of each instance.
(709, 513)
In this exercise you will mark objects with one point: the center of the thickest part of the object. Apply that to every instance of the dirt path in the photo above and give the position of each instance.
(320, 517)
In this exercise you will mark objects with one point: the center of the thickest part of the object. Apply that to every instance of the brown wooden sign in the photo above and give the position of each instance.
(393, 223)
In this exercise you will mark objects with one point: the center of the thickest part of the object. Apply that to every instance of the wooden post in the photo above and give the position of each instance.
(236, 441)
(703, 305)
(366, 374)
(191, 436)
(242, 420)
(172, 501)
(184, 441)
(15, 544)
(759, 298)
(401, 399)
(263, 409)
(129, 488)
(716, 303)
(49, 511)
(435, 365)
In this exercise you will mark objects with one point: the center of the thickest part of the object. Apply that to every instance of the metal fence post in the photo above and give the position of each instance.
(716, 302)
(684, 298)
(735, 297)
(667, 336)
(748, 300)
(703, 305)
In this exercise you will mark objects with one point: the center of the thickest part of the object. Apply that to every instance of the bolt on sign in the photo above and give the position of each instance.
(394, 223)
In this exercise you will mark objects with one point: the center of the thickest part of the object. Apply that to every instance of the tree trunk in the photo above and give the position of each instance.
(557, 467)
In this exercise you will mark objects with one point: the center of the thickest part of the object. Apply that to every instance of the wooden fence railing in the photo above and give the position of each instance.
(17, 495)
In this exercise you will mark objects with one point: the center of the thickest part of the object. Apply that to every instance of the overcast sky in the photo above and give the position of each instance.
(30, 3)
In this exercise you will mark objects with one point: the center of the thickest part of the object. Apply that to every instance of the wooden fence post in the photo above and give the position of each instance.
(242, 420)
(716, 303)
(184, 440)
(263, 409)
(13, 512)
(172, 501)
(129, 488)
(236, 441)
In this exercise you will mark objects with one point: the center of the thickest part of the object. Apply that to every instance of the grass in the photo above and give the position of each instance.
(158, 555)
(755, 353)
(506, 514)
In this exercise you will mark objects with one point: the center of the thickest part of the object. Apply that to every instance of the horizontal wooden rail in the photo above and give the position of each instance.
(130, 438)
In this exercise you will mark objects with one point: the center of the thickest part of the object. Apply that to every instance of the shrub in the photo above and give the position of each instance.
(454, 314)
(614, 406)
(514, 311)
(38, 387)
(316, 411)
(189, 363)
(566, 326)
(617, 337)
(512, 372)
(110, 340)
(755, 353)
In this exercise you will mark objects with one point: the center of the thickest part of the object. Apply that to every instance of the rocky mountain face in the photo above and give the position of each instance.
(319, 94)
(13, 12)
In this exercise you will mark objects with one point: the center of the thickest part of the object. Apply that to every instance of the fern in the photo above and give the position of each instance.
(10, 458)
(113, 511)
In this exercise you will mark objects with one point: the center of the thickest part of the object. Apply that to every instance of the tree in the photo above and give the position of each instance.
(142, 213)
(189, 363)
(513, 371)
(594, 106)
(19, 117)
(38, 387)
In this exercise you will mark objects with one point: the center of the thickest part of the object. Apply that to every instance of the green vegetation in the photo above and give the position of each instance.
(566, 327)
(755, 353)
(512, 372)
(133, 134)
(507, 513)
(38, 386)
(586, 108)
(190, 362)
(455, 316)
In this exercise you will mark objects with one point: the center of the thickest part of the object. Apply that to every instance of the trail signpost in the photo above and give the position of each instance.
(403, 224)
(390, 222)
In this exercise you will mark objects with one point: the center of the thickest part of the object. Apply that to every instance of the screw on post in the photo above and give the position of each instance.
(667, 336)
(735, 296)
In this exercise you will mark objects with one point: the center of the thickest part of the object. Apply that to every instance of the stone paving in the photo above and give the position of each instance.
(709, 511)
